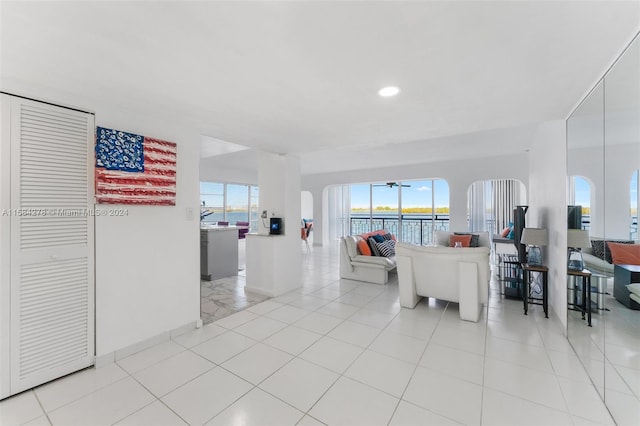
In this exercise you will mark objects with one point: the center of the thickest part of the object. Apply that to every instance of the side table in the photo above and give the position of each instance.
(527, 277)
(585, 305)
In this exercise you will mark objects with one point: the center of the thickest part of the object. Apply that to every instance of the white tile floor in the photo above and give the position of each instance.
(335, 352)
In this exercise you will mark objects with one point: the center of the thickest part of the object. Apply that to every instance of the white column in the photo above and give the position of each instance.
(274, 262)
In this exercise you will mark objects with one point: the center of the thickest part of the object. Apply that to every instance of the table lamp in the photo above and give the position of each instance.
(534, 238)
(577, 239)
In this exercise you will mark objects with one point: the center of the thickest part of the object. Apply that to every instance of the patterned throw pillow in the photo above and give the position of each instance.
(374, 248)
(601, 250)
(598, 248)
(387, 237)
(387, 248)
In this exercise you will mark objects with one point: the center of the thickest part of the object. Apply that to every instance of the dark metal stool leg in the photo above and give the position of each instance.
(545, 297)
(589, 300)
(525, 290)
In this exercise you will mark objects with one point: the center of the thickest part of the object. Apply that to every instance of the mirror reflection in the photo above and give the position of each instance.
(622, 161)
(603, 142)
(585, 141)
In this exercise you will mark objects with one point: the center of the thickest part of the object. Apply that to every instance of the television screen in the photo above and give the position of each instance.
(518, 226)
(574, 216)
(275, 226)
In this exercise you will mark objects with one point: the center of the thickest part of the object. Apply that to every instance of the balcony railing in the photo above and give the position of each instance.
(419, 230)
(413, 230)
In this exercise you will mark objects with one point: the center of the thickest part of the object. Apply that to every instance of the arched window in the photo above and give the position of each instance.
(490, 204)
(581, 194)
(412, 210)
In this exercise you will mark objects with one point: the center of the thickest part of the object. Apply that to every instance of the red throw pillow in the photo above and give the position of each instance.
(505, 232)
(364, 248)
(625, 254)
(465, 240)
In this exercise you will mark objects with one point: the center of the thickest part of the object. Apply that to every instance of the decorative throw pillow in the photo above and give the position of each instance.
(598, 248)
(374, 248)
(364, 248)
(624, 254)
(387, 237)
(601, 250)
(366, 235)
(387, 248)
(475, 238)
(511, 234)
(378, 237)
(465, 240)
(505, 232)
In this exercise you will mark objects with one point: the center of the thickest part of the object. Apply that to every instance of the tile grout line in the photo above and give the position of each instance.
(46, 414)
(484, 360)
(404, 391)
(256, 386)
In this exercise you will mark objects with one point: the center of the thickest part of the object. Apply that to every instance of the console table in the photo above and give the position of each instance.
(585, 306)
(218, 252)
(528, 273)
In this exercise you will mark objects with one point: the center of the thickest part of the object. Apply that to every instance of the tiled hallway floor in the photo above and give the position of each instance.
(223, 297)
(335, 352)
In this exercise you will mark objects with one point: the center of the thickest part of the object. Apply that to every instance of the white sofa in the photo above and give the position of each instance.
(454, 274)
(595, 264)
(354, 266)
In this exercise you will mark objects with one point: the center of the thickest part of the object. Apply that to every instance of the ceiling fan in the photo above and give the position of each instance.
(391, 184)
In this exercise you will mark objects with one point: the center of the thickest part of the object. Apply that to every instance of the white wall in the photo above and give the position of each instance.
(306, 205)
(548, 206)
(147, 263)
(620, 162)
(611, 210)
(274, 263)
(589, 163)
(234, 167)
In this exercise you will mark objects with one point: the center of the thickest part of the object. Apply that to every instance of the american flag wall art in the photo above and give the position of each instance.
(134, 169)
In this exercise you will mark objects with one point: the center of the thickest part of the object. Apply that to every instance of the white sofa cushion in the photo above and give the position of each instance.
(352, 245)
(387, 262)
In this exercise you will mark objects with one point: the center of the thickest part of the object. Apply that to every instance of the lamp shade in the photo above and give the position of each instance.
(534, 236)
(578, 238)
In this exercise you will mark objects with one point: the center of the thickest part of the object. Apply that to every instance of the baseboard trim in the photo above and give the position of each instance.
(111, 357)
(185, 328)
(260, 291)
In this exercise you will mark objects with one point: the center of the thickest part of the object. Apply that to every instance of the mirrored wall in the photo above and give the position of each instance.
(603, 142)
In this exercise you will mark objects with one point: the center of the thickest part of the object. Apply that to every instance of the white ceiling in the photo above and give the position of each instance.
(302, 77)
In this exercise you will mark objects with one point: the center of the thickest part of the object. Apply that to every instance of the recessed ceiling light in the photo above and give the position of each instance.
(388, 91)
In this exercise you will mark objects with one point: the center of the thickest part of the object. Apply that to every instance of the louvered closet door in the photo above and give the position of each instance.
(52, 243)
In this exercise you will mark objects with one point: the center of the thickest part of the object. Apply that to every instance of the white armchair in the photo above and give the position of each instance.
(454, 274)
